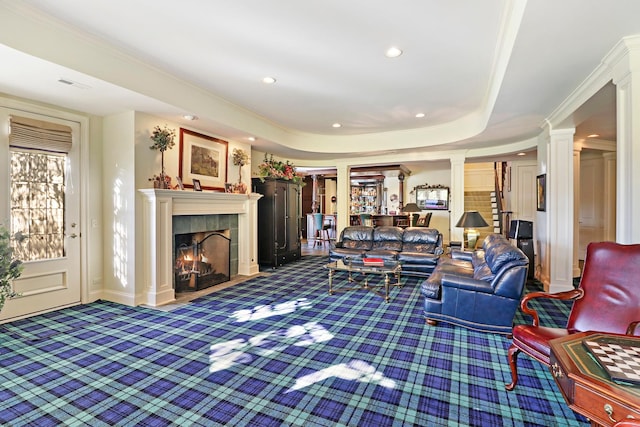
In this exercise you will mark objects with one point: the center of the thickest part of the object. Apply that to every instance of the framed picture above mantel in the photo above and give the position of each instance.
(203, 159)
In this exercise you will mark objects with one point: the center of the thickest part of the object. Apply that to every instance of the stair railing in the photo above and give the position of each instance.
(499, 180)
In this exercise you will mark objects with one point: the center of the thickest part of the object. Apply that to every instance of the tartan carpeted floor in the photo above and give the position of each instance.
(275, 350)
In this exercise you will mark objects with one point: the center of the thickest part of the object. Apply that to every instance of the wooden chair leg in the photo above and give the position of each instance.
(512, 355)
(325, 237)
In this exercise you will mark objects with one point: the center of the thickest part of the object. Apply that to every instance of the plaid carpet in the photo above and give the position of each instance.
(274, 350)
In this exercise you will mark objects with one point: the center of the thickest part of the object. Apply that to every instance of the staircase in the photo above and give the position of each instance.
(486, 204)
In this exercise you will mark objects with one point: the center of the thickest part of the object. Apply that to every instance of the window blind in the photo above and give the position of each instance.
(40, 135)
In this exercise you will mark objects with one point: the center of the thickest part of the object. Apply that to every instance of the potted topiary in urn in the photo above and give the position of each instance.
(10, 268)
(163, 139)
(240, 158)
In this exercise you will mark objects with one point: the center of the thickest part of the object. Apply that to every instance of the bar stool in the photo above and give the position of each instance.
(322, 229)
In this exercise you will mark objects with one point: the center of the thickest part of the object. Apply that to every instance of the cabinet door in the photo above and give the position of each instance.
(280, 214)
(293, 217)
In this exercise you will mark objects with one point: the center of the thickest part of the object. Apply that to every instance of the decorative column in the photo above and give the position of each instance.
(314, 194)
(379, 195)
(624, 60)
(343, 195)
(401, 192)
(456, 208)
(577, 150)
(609, 196)
(560, 208)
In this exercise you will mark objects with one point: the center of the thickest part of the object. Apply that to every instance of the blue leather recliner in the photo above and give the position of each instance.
(479, 290)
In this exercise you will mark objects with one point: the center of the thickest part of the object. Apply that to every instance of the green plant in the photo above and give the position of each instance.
(163, 140)
(240, 157)
(10, 268)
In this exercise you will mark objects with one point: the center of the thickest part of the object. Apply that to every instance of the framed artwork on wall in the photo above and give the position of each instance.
(541, 192)
(202, 158)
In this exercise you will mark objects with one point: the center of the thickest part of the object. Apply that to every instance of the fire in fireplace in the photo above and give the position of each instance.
(201, 260)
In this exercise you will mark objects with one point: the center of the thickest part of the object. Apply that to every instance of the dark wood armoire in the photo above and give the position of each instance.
(278, 221)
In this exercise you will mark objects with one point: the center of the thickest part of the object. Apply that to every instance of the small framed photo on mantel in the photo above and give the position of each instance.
(179, 186)
(196, 185)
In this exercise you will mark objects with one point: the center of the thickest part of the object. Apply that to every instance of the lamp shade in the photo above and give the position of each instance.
(471, 219)
(411, 207)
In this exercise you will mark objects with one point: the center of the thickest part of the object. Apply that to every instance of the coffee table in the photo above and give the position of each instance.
(357, 266)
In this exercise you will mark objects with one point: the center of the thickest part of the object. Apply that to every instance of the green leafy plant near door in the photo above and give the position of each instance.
(10, 268)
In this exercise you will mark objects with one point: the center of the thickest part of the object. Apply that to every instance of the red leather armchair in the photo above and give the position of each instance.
(607, 300)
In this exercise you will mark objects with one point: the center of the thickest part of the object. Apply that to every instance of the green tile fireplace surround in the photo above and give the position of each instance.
(205, 223)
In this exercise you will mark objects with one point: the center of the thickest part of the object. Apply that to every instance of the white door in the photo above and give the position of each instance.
(43, 198)
(591, 209)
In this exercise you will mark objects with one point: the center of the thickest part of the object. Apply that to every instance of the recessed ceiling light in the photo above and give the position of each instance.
(393, 52)
(269, 80)
(521, 154)
(336, 125)
(251, 138)
(190, 117)
(420, 115)
(593, 135)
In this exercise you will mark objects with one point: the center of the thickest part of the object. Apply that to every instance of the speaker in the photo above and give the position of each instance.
(520, 229)
(526, 246)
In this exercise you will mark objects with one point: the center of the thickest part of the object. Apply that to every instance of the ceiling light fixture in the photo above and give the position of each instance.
(251, 138)
(593, 135)
(190, 117)
(268, 80)
(336, 125)
(420, 115)
(393, 52)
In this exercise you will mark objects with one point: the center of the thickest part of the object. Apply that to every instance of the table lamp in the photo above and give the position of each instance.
(411, 209)
(471, 220)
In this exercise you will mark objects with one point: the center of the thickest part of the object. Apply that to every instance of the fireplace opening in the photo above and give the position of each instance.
(202, 260)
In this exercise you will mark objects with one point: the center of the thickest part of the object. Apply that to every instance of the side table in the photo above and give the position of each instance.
(586, 386)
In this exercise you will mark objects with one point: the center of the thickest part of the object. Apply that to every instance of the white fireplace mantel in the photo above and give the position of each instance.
(156, 246)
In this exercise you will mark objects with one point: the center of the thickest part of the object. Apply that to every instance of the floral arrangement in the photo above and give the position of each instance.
(161, 181)
(10, 268)
(271, 168)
